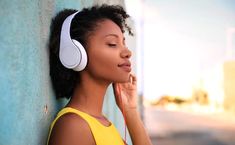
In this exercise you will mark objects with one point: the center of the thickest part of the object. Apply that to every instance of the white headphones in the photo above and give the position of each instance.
(72, 54)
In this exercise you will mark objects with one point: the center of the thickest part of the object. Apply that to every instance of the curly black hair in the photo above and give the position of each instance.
(83, 24)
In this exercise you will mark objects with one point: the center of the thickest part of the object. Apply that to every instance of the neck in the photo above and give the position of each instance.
(89, 95)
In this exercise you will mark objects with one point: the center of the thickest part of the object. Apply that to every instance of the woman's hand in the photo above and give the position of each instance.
(126, 94)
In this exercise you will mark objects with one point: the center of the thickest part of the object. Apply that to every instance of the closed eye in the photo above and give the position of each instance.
(112, 45)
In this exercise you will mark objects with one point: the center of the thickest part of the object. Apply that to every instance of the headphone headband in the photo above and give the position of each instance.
(72, 54)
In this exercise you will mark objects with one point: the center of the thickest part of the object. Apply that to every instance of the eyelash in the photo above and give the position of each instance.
(112, 45)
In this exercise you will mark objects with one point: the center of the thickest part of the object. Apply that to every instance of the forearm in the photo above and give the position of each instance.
(136, 128)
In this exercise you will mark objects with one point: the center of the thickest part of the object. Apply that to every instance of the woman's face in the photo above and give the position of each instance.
(107, 53)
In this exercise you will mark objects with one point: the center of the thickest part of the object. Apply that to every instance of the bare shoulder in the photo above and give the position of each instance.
(71, 129)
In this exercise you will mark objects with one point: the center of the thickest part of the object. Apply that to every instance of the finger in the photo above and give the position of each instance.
(133, 79)
(130, 79)
(117, 90)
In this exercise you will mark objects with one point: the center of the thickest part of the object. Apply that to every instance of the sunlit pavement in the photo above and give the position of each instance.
(183, 128)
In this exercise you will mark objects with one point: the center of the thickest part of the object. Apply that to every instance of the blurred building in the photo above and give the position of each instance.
(229, 85)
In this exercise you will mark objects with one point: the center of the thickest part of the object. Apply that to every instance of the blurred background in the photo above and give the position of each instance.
(186, 69)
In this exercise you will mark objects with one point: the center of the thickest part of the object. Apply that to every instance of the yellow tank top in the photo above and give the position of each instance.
(103, 135)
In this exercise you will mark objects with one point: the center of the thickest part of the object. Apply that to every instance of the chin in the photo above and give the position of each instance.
(124, 79)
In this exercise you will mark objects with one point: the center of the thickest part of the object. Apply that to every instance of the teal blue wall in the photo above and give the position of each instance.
(23, 90)
(28, 104)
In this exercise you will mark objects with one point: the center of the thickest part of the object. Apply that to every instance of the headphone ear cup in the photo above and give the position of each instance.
(72, 54)
(82, 56)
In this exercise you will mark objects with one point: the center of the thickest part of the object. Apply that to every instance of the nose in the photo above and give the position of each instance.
(126, 53)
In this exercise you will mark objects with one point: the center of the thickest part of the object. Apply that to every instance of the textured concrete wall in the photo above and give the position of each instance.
(25, 87)
(112, 2)
(28, 104)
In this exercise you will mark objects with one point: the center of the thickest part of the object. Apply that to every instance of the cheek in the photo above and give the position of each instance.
(102, 63)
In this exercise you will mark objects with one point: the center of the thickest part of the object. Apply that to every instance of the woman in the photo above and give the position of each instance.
(87, 54)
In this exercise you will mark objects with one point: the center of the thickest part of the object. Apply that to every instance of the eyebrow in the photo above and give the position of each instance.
(115, 35)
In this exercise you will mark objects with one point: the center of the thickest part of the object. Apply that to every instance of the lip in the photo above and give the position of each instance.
(126, 66)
